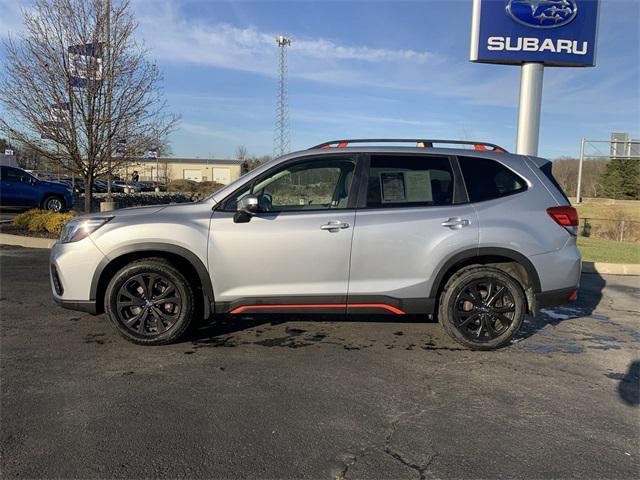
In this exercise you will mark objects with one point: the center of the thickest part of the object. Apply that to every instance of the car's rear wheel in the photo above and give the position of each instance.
(150, 302)
(54, 203)
(482, 308)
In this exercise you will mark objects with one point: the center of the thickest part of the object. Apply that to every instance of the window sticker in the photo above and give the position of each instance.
(411, 186)
(393, 188)
(418, 185)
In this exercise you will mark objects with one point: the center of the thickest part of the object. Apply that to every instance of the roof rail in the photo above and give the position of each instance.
(420, 142)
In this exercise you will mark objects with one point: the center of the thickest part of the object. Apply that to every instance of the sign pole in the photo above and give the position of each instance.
(531, 74)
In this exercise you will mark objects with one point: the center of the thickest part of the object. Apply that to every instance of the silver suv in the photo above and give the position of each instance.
(475, 237)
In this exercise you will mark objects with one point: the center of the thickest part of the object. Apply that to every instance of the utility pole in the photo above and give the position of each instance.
(108, 93)
(579, 188)
(282, 139)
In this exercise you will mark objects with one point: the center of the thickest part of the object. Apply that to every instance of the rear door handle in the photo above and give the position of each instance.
(456, 222)
(334, 226)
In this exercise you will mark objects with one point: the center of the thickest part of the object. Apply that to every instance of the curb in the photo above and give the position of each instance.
(611, 268)
(27, 242)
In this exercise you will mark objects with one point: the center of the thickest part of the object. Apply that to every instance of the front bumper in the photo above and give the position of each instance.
(72, 271)
(89, 306)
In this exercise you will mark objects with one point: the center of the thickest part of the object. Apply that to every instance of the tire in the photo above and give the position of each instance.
(482, 308)
(133, 302)
(54, 203)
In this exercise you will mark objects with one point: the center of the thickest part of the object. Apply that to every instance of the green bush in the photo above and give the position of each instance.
(56, 221)
(43, 221)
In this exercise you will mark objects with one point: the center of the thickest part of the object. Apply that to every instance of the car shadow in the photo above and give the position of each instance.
(219, 330)
(589, 297)
(629, 385)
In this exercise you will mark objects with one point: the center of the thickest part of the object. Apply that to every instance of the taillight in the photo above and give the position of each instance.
(566, 217)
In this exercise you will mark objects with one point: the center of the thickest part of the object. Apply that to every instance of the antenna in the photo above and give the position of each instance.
(281, 137)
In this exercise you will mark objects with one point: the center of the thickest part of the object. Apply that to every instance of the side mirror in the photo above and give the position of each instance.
(247, 207)
(249, 204)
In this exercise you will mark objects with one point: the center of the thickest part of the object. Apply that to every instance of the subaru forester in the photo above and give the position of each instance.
(474, 237)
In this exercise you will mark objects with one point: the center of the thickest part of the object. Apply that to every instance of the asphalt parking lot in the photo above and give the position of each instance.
(299, 399)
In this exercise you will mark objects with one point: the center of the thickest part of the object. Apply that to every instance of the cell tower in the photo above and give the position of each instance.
(281, 137)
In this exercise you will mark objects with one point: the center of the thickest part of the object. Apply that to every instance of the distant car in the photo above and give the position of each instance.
(119, 186)
(100, 186)
(78, 185)
(146, 186)
(21, 189)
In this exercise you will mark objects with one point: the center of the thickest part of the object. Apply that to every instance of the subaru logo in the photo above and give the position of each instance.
(542, 13)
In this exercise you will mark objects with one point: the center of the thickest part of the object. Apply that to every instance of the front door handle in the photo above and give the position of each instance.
(334, 226)
(456, 222)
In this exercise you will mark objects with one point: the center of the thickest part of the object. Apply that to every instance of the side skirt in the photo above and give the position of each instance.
(355, 304)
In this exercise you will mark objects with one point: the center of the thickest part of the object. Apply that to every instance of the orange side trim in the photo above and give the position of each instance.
(383, 306)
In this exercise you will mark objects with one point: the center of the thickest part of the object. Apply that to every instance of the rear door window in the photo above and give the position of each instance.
(409, 181)
(487, 179)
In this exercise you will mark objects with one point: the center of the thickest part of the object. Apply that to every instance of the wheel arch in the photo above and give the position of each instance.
(510, 261)
(180, 257)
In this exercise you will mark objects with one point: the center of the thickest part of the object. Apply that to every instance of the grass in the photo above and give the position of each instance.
(608, 251)
(603, 210)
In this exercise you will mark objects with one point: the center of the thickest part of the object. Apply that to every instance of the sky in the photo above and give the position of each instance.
(367, 69)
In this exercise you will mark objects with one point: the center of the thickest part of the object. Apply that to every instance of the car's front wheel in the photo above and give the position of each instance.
(54, 203)
(150, 302)
(482, 308)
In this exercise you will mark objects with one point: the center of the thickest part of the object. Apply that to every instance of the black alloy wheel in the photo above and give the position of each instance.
(150, 302)
(482, 307)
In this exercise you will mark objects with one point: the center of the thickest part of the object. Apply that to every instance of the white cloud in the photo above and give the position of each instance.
(249, 49)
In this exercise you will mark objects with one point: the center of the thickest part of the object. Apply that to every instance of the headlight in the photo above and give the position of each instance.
(81, 227)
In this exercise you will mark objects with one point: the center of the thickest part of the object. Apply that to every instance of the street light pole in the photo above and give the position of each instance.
(108, 102)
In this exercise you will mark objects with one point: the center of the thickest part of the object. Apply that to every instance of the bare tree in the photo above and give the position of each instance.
(242, 153)
(565, 170)
(78, 89)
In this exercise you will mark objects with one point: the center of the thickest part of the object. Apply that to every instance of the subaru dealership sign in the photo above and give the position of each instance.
(553, 32)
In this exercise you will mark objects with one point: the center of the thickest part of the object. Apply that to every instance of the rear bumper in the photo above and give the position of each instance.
(553, 298)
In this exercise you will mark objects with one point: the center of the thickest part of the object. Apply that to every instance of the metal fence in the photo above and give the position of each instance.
(608, 229)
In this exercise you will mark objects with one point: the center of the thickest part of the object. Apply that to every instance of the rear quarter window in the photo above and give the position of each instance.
(487, 179)
(547, 170)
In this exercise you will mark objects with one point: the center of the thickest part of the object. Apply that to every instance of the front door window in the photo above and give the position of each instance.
(317, 184)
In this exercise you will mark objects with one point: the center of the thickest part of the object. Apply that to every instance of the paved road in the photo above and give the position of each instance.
(245, 399)
(7, 215)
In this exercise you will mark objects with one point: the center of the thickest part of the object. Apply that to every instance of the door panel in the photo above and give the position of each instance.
(8, 195)
(407, 228)
(284, 254)
(397, 252)
(18, 188)
(294, 252)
